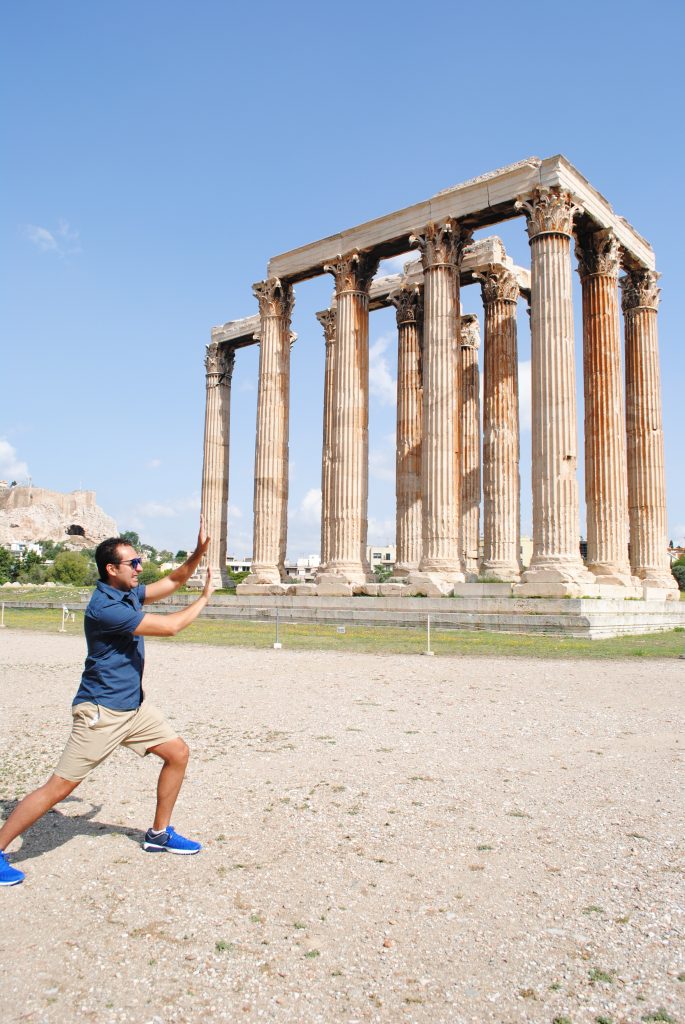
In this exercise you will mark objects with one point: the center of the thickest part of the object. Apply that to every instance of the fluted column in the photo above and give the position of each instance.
(606, 486)
(219, 363)
(441, 249)
(271, 455)
(646, 476)
(327, 318)
(409, 305)
(349, 417)
(470, 445)
(556, 563)
(501, 480)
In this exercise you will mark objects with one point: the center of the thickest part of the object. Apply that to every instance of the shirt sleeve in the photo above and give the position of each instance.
(119, 617)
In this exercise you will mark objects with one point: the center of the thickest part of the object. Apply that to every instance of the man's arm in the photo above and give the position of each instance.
(170, 625)
(177, 577)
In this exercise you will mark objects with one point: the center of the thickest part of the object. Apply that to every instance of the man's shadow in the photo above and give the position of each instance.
(54, 829)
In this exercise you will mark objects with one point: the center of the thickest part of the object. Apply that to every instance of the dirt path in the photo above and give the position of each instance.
(390, 839)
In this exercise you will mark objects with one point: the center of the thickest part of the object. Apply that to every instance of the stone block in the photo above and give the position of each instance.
(263, 589)
(482, 589)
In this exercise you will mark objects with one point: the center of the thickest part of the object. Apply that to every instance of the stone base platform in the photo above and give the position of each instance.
(498, 612)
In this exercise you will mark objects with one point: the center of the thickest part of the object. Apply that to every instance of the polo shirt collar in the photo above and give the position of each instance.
(116, 595)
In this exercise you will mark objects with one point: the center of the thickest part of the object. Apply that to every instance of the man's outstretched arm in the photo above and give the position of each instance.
(170, 625)
(177, 577)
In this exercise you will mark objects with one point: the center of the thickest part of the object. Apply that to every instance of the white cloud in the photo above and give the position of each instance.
(64, 240)
(677, 534)
(525, 396)
(165, 510)
(234, 512)
(310, 506)
(10, 466)
(395, 264)
(381, 531)
(153, 463)
(382, 465)
(381, 382)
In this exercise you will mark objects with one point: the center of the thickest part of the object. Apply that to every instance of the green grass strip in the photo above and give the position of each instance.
(380, 639)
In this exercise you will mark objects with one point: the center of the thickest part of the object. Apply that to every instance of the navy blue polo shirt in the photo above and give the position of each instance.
(113, 673)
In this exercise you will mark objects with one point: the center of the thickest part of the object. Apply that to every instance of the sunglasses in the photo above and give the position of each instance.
(135, 563)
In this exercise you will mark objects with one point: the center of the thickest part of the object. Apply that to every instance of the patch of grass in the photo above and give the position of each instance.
(681, 976)
(561, 1020)
(312, 954)
(555, 986)
(593, 909)
(298, 925)
(660, 1014)
(604, 1020)
(596, 975)
(484, 846)
(222, 946)
(359, 638)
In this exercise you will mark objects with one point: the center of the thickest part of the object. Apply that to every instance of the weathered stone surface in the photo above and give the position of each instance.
(556, 529)
(30, 514)
(501, 480)
(470, 445)
(349, 418)
(606, 487)
(646, 473)
(219, 363)
(271, 452)
(409, 305)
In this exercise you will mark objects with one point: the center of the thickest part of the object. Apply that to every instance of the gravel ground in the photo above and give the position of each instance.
(396, 839)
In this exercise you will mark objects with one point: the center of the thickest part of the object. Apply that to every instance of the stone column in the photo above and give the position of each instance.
(327, 319)
(271, 454)
(470, 445)
(501, 481)
(606, 486)
(349, 418)
(409, 304)
(556, 567)
(219, 363)
(441, 249)
(646, 477)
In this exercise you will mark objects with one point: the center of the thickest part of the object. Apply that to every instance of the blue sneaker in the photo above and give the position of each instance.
(8, 874)
(168, 841)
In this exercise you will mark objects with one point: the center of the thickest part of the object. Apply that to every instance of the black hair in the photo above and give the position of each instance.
(106, 554)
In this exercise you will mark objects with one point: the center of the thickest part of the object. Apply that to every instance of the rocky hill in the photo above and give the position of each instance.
(33, 513)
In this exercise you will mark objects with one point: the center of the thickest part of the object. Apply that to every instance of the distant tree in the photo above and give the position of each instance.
(50, 548)
(7, 566)
(32, 569)
(678, 570)
(74, 568)
(237, 577)
(147, 549)
(150, 573)
(382, 573)
(181, 555)
(131, 537)
(165, 556)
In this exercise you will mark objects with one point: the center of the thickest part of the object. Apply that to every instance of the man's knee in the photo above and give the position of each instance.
(57, 788)
(175, 752)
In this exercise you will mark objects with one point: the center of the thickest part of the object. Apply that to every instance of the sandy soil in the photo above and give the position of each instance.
(389, 839)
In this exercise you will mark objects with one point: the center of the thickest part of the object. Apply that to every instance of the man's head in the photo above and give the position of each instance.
(118, 564)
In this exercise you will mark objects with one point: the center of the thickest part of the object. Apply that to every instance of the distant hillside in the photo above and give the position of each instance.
(33, 513)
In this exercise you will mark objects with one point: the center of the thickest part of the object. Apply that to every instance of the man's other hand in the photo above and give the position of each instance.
(209, 587)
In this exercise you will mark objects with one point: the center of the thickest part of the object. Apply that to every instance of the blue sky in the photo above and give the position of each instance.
(157, 154)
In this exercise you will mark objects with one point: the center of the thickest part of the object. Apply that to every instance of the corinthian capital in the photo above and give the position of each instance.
(353, 272)
(639, 287)
(408, 302)
(548, 211)
(470, 331)
(275, 298)
(220, 360)
(328, 319)
(598, 253)
(442, 244)
(498, 284)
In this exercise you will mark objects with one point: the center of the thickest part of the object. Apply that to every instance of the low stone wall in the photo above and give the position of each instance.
(591, 618)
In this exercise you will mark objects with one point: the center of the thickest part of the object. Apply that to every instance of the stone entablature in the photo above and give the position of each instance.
(442, 454)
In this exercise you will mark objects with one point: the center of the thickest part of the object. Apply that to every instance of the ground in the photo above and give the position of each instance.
(387, 838)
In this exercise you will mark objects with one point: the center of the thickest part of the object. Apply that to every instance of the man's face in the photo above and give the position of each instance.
(124, 576)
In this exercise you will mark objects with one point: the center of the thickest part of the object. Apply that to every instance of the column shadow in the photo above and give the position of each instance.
(55, 829)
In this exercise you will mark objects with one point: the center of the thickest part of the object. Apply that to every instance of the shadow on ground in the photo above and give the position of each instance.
(54, 829)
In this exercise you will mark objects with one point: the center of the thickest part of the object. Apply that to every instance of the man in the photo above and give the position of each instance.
(110, 709)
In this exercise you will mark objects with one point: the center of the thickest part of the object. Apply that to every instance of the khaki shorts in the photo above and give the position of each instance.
(96, 732)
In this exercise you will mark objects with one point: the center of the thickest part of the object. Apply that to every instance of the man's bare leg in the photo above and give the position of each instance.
(34, 806)
(175, 755)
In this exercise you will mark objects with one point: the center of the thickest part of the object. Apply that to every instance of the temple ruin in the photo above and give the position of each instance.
(451, 462)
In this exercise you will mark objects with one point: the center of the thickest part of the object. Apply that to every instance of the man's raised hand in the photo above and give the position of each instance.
(202, 538)
(209, 587)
